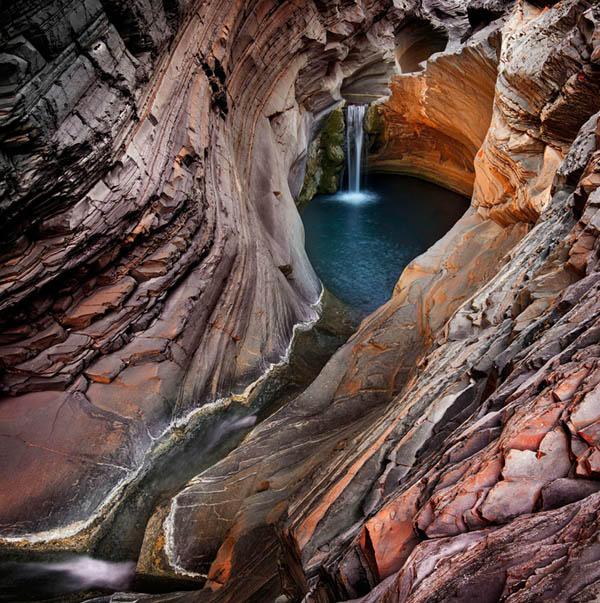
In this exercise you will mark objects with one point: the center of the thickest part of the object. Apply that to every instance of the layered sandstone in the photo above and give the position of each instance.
(152, 261)
(453, 435)
(450, 449)
(436, 118)
(541, 102)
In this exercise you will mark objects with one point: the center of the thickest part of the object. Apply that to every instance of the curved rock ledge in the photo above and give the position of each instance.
(435, 120)
(448, 428)
(454, 434)
(542, 100)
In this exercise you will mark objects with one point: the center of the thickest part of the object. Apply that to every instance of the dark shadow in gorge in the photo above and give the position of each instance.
(209, 437)
(186, 452)
(416, 42)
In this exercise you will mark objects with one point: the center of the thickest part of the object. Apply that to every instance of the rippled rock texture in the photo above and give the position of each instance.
(447, 451)
(450, 450)
(436, 118)
(152, 258)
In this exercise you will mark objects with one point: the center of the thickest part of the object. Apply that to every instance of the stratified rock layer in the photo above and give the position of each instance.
(542, 100)
(450, 450)
(455, 433)
(435, 120)
(152, 258)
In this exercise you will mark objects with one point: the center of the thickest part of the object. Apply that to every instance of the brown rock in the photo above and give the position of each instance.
(105, 299)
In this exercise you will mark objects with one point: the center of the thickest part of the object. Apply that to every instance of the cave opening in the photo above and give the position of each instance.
(416, 42)
(480, 17)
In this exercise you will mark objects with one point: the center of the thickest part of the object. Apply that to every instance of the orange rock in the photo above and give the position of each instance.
(391, 531)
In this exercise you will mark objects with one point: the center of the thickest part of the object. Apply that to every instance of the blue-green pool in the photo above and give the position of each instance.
(359, 245)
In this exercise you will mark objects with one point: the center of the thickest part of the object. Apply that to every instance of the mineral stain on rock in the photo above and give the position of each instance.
(177, 387)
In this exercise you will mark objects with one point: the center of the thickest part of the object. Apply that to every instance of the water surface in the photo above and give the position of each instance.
(359, 243)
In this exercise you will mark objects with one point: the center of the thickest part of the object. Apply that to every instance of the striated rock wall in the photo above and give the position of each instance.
(448, 451)
(152, 257)
(253, 488)
(437, 115)
(155, 264)
(542, 100)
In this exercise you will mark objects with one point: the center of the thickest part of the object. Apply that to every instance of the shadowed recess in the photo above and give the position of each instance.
(416, 42)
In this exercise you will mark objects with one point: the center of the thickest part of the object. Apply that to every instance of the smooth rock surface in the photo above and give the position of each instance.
(152, 259)
(439, 428)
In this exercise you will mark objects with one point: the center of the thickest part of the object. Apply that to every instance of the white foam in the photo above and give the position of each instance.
(86, 572)
(356, 197)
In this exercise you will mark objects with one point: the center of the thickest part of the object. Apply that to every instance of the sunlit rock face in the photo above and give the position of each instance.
(152, 257)
(542, 99)
(438, 113)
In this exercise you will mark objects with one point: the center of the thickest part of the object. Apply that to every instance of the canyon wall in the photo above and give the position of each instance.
(154, 265)
(447, 451)
(436, 118)
(152, 260)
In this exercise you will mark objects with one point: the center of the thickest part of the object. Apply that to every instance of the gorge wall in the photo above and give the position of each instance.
(152, 256)
(153, 264)
(436, 118)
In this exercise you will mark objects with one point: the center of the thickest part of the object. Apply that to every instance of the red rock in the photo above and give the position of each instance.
(591, 433)
(588, 463)
(391, 532)
(105, 369)
(140, 211)
(68, 445)
(551, 461)
(586, 410)
(511, 498)
(108, 298)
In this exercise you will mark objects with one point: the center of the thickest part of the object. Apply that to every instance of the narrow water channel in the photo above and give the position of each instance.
(189, 449)
(359, 244)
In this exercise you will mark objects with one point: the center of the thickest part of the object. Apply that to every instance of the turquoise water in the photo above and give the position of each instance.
(360, 243)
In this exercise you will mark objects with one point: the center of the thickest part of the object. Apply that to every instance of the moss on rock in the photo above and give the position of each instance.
(325, 158)
(375, 128)
(332, 152)
(312, 175)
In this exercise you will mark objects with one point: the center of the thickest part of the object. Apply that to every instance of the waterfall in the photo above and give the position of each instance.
(354, 144)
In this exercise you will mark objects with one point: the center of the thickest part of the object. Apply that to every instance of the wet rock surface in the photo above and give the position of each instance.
(325, 157)
(154, 264)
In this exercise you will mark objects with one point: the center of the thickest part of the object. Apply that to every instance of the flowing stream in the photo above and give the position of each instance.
(201, 442)
(34, 581)
(358, 241)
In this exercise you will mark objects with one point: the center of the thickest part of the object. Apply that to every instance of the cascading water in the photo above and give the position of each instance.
(354, 144)
(355, 116)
